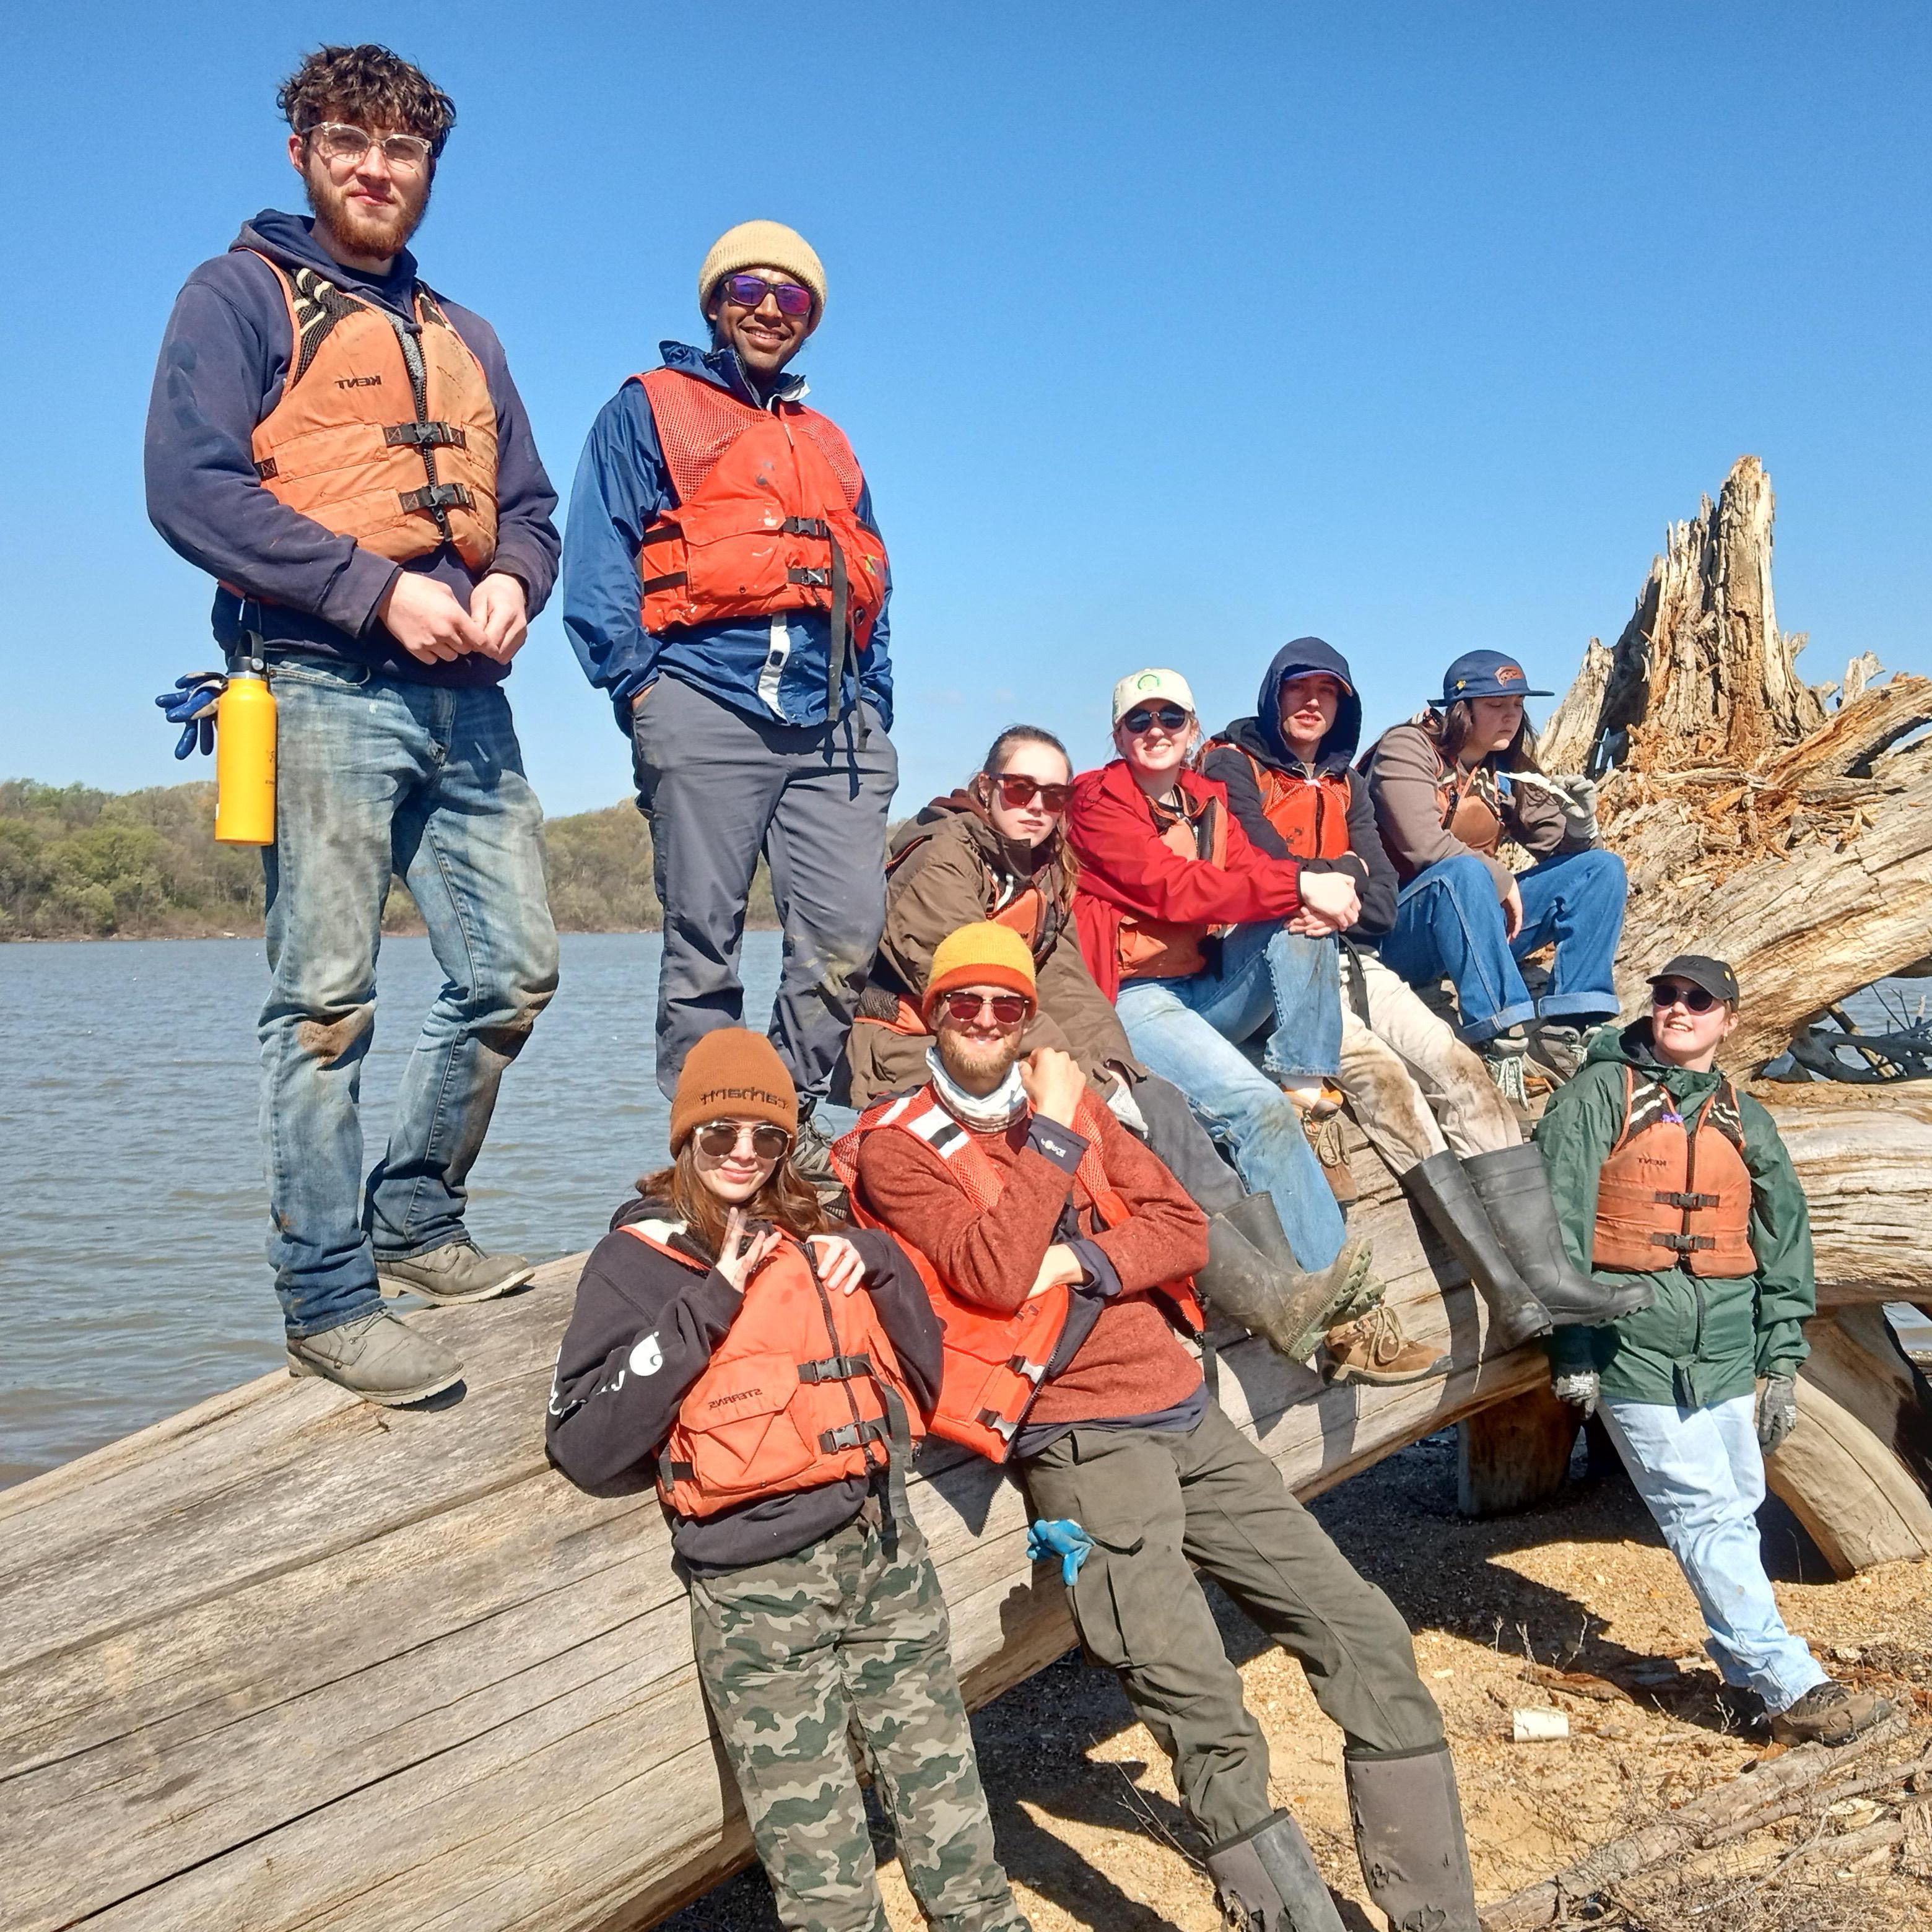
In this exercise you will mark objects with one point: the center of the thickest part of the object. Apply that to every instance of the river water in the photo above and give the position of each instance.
(132, 1222)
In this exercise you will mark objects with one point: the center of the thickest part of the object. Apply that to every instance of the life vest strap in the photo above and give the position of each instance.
(669, 582)
(1689, 1201)
(807, 527)
(819, 579)
(1684, 1244)
(835, 1368)
(854, 1435)
(438, 496)
(426, 435)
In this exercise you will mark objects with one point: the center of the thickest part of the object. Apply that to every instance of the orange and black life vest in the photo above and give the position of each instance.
(382, 432)
(1675, 1193)
(805, 1390)
(1311, 815)
(1156, 949)
(1470, 809)
(766, 519)
(993, 1364)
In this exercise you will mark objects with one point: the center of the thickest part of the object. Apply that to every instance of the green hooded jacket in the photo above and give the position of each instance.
(1702, 1341)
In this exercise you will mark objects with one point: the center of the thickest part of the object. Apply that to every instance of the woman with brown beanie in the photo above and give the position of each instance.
(773, 1372)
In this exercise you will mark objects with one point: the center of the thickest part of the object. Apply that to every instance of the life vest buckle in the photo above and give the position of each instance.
(426, 436)
(807, 527)
(438, 496)
(1034, 1372)
(1003, 1426)
(819, 579)
(835, 1368)
(854, 1435)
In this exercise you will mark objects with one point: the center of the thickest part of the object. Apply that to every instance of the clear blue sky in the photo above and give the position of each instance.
(1165, 333)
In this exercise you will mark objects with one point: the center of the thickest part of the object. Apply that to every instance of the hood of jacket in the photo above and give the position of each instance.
(722, 370)
(288, 242)
(1631, 1046)
(1260, 736)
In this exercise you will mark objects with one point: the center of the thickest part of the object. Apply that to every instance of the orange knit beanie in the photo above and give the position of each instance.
(984, 955)
(732, 1075)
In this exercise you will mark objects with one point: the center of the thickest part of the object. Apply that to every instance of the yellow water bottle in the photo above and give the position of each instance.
(245, 761)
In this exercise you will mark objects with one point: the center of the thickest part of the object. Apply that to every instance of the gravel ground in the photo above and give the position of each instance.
(1084, 1805)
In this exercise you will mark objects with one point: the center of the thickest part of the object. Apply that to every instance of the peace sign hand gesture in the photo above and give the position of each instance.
(741, 1251)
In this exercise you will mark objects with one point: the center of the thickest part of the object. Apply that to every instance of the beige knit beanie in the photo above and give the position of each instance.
(763, 245)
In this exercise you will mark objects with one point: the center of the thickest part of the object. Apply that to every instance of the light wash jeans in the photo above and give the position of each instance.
(374, 775)
(1701, 1473)
(1190, 1031)
(1448, 921)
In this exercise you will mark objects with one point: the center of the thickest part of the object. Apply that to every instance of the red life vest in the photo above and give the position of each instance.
(801, 1392)
(332, 447)
(766, 516)
(1156, 949)
(1673, 1193)
(993, 1364)
(1310, 814)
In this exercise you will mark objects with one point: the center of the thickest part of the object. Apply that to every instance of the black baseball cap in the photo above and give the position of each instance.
(1696, 969)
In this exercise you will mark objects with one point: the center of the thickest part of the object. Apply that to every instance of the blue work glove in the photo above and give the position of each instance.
(1060, 1536)
(191, 705)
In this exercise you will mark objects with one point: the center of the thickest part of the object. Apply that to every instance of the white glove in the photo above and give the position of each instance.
(1579, 1388)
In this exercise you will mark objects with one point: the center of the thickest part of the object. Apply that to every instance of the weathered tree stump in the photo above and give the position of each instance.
(1514, 1455)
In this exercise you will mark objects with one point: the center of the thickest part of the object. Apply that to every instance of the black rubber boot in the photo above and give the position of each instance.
(1513, 1186)
(1265, 1881)
(1448, 1196)
(1409, 1838)
(1247, 1280)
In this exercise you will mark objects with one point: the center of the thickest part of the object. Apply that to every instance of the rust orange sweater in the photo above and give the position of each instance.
(1131, 1362)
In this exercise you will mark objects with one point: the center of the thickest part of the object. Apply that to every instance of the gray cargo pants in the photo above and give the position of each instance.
(719, 789)
(1160, 1502)
(793, 1652)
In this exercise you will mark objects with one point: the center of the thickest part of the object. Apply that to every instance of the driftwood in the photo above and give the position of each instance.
(1773, 1790)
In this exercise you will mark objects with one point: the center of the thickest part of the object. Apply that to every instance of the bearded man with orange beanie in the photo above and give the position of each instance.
(725, 583)
(1017, 1192)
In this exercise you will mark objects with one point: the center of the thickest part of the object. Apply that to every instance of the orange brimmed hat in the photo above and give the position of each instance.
(732, 1075)
(984, 955)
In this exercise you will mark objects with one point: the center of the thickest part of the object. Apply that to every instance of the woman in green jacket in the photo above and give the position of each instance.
(1661, 1168)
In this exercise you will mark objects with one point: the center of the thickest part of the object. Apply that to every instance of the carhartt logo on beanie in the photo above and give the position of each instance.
(983, 954)
(732, 1074)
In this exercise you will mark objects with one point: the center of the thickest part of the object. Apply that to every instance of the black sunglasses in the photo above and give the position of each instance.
(718, 1138)
(1171, 717)
(1666, 993)
(1016, 789)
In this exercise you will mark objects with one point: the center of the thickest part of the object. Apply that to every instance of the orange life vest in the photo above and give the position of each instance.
(1673, 1193)
(766, 518)
(993, 1364)
(802, 1392)
(1311, 815)
(1155, 948)
(382, 433)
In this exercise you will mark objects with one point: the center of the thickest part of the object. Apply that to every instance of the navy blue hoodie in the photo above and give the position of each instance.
(1260, 737)
(222, 362)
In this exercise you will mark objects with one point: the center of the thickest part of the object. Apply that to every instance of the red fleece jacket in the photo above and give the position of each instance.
(1126, 868)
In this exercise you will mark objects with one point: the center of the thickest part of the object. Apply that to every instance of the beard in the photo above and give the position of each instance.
(974, 1066)
(358, 229)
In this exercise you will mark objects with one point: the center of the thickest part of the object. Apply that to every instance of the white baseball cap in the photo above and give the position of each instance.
(1151, 687)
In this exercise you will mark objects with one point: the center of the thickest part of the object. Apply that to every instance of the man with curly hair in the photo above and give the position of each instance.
(344, 450)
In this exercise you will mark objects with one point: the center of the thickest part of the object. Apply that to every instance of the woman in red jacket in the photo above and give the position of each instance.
(1176, 911)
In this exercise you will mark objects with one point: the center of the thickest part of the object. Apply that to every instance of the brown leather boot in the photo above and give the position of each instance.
(1373, 1348)
(1324, 1136)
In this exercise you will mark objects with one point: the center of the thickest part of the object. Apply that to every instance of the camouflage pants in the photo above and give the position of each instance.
(790, 1653)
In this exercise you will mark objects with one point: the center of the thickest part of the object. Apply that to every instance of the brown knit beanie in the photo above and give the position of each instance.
(762, 245)
(732, 1075)
(984, 954)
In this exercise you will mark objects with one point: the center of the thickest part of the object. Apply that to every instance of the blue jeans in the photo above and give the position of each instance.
(1449, 921)
(374, 775)
(1189, 1032)
(1701, 1473)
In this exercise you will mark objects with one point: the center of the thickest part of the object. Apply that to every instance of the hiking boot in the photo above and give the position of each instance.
(459, 1270)
(1557, 1050)
(1253, 1278)
(1266, 1881)
(377, 1356)
(1829, 1714)
(1324, 1136)
(1513, 1187)
(1373, 1348)
(1503, 1058)
(812, 1157)
(1409, 1838)
(1443, 1190)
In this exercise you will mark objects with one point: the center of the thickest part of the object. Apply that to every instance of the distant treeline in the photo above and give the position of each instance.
(79, 864)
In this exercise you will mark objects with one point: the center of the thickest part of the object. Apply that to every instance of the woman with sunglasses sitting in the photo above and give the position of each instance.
(997, 850)
(773, 1372)
(1177, 912)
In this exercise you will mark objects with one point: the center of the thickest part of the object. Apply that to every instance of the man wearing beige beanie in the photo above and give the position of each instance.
(724, 581)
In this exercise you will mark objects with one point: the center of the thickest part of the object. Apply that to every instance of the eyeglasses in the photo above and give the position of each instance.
(1009, 1008)
(1016, 789)
(1667, 994)
(1170, 717)
(749, 291)
(339, 144)
(719, 1137)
